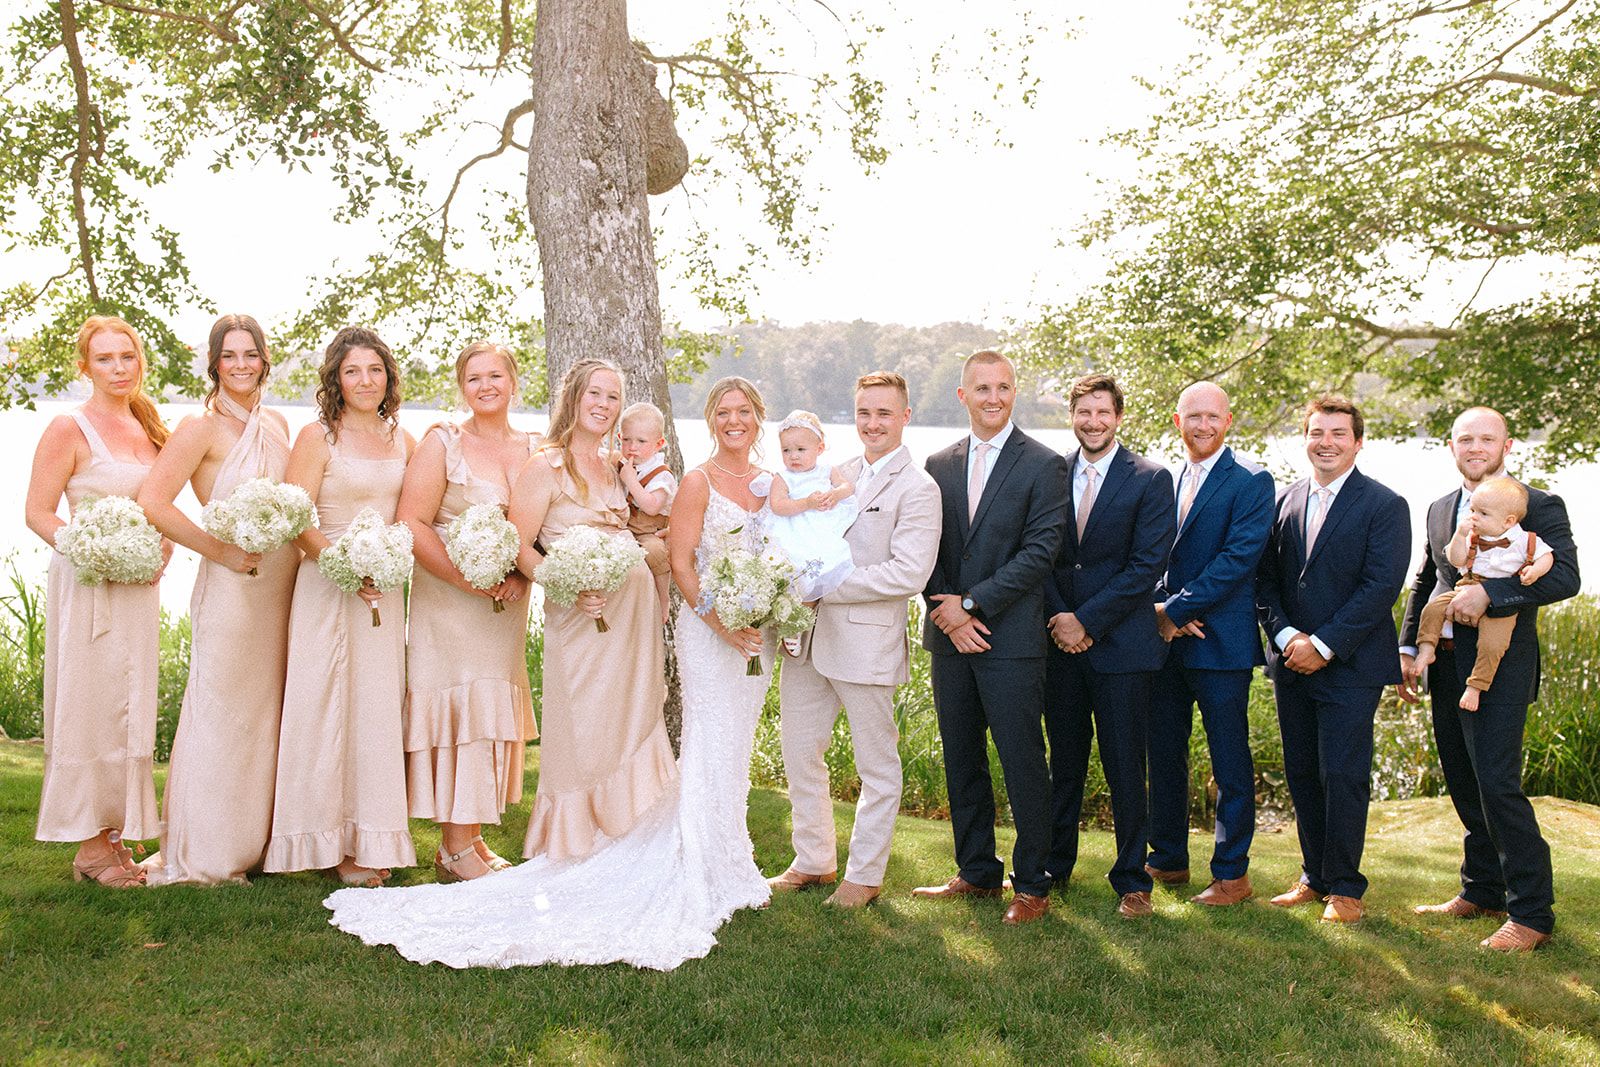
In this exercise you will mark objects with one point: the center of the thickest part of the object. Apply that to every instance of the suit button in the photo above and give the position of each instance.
(967, 556)
(1302, 585)
(1077, 566)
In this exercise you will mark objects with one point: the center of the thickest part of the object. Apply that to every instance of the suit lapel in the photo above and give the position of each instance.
(1442, 525)
(1117, 476)
(1072, 500)
(880, 481)
(1294, 518)
(1219, 471)
(991, 486)
(1343, 502)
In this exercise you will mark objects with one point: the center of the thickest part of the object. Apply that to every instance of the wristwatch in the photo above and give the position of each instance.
(968, 605)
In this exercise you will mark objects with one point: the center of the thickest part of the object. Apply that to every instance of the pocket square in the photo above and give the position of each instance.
(870, 510)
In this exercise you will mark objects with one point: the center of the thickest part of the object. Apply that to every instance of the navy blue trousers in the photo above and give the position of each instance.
(1003, 698)
(1080, 705)
(1506, 862)
(1224, 699)
(1327, 760)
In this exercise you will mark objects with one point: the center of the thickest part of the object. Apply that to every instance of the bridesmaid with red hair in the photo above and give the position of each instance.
(101, 641)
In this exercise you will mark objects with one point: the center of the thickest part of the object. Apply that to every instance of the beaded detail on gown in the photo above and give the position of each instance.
(652, 898)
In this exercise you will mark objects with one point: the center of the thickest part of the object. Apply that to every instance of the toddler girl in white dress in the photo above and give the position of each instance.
(812, 506)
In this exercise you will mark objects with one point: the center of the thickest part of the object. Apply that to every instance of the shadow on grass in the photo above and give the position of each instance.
(256, 974)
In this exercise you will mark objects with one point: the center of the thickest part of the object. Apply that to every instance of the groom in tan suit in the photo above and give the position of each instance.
(857, 654)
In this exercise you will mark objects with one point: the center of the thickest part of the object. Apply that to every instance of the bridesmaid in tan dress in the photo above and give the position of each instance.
(101, 642)
(469, 712)
(340, 799)
(218, 803)
(604, 756)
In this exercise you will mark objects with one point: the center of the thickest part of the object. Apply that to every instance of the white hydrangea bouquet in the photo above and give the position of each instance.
(746, 587)
(586, 558)
(110, 540)
(483, 545)
(369, 549)
(260, 515)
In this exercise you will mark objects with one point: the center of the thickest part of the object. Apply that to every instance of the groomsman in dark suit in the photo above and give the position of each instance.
(1003, 498)
(1205, 609)
(1107, 650)
(1325, 591)
(1506, 867)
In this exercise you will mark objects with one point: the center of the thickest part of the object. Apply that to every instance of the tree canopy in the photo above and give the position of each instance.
(1315, 174)
(418, 111)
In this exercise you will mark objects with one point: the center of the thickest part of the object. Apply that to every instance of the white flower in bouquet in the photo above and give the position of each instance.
(369, 548)
(483, 545)
(110, 540)
(587, 558)
(752, 588)
(260, 515)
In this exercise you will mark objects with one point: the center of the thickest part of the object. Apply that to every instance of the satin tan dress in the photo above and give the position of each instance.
(341, 781)
(469, 710)
(218, 802)
(101, 649)
(604, 756)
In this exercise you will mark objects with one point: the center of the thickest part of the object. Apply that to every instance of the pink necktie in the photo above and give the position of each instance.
(1086, 502)
(976, 479)
(1314, 525)
(1190, 487)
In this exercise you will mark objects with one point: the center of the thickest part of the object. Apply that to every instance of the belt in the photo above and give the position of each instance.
(1447, 644)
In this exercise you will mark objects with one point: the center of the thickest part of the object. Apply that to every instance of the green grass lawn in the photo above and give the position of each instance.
(256, 974)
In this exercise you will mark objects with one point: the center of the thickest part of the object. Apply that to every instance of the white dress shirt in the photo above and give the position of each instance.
(869, 471)
(1080, 480)
(996, 443)
(1333, 488)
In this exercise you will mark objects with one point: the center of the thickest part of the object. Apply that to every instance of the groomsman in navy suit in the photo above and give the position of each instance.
(1335, 562)
(1002, 497)
(1205, 610)
(1106, 649)
(1506, 866)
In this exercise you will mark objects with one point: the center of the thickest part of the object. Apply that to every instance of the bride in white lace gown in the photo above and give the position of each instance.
(655, 896)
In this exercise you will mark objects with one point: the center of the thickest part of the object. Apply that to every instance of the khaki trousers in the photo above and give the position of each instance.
(810, 706)
(1494, 637)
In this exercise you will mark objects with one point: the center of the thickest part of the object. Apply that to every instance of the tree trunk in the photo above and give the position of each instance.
(587, 173)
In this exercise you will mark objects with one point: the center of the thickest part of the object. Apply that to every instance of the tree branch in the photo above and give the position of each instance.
(505, 32)
(1498, 229)
(218, 30)
(1392, 333)
(1549, 85)
(339, 37)
(85, 151)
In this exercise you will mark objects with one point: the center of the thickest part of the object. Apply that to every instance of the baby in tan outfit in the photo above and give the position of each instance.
(1489, 543)
(642, 466)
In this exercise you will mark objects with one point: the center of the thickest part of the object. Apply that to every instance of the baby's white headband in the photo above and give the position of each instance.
(801, 420)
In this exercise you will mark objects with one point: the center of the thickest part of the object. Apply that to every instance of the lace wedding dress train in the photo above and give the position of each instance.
(651, 898)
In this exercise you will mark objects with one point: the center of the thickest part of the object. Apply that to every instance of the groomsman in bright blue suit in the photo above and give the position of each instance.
(1205, 610)
(1335, 562)
(1106, 649)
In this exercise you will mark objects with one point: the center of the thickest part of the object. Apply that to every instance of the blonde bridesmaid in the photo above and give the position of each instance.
(101, 642)
(604, 757)
(218, 804)
(469, 711)
(340, 800)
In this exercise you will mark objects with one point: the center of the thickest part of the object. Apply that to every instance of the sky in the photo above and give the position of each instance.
(950, 228)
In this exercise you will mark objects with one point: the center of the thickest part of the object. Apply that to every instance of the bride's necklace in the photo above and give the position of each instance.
(748, 472)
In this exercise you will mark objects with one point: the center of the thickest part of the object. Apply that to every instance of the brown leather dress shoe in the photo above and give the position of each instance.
(955, 887)
(1025, 908)
(1297, 894)
(1134, 906)
(1514, 937)
(852, 895)
(1342, 909)
(1225, 892)
(1457, 907)
(792, 879)
(1168, 877)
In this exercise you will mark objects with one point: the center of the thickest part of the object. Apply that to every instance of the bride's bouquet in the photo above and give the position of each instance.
(748, 588)
(586, 558)
(110, 540)
(369, 549)
(483, 545)
(260, 515)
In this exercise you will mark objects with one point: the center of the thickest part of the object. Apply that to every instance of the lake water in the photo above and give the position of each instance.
(1419, 472)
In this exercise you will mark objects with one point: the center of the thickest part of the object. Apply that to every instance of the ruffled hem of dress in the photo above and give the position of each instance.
(76, 799)
(569, 825)
(484, 709)
(468, 783)
(322, 849)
